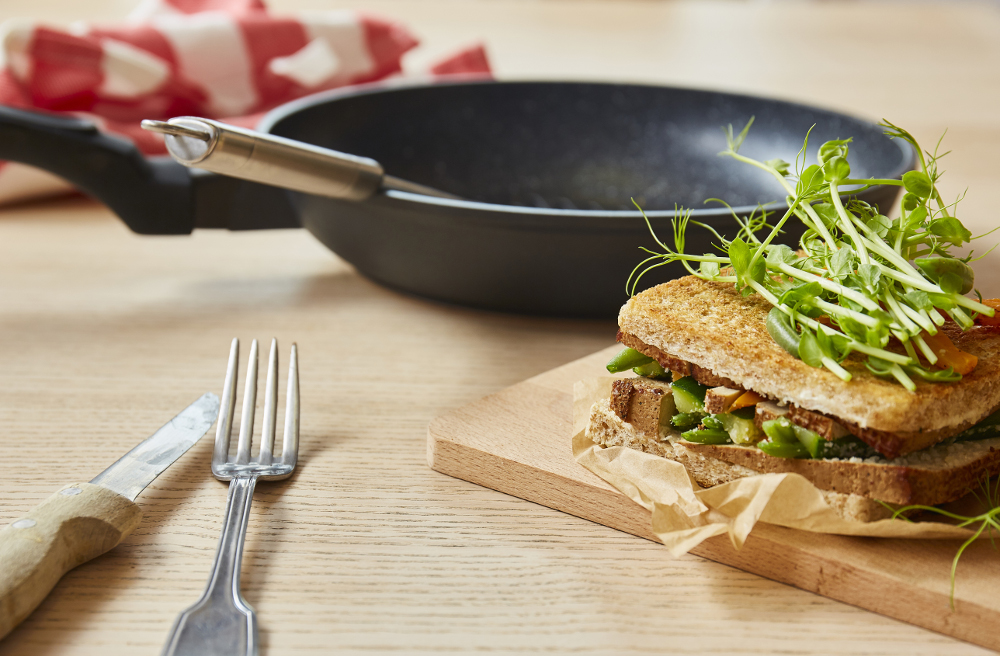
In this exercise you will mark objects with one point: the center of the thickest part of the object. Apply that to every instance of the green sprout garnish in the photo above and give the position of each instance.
(863, 279)
(989, 498)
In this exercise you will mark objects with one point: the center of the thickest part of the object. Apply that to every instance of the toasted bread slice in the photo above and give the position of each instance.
(709, 325)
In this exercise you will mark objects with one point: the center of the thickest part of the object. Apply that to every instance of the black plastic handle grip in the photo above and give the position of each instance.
(153, 196)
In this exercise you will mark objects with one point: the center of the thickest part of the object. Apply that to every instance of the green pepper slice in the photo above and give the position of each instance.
(780, 431)
(811, 440)
(707, 436)
(626, 359)
(783, 449)
(652, 370)
(685, 420)
(781, 330)
(713, 423)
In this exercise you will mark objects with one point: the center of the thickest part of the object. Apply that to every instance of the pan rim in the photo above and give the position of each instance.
(274, 116)
(552, 211)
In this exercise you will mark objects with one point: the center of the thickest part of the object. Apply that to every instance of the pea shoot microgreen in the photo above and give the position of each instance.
(861, 278)
(988, 521)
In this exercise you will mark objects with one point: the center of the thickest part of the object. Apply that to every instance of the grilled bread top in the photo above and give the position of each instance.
(709, 324)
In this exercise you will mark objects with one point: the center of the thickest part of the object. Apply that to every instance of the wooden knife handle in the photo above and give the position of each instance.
(77, 523)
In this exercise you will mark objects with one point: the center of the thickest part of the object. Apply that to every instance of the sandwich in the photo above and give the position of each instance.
(870, 372)
(866, 443)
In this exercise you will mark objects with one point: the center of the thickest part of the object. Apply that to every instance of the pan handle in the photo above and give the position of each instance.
(152, 196)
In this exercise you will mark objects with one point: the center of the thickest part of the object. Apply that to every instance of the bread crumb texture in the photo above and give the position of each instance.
(711, 325)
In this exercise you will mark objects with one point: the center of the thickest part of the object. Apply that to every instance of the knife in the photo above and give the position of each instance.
(83, 520)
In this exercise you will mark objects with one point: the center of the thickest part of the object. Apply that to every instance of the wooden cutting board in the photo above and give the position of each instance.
(518, 442)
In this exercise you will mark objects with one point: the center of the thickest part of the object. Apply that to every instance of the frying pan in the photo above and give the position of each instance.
(546, 171)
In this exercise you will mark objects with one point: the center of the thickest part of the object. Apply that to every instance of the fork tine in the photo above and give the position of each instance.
(270, 407)
(225, 425)
(249, 405)
(290, 444)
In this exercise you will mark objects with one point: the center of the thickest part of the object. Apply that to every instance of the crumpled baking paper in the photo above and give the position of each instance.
(685, 514)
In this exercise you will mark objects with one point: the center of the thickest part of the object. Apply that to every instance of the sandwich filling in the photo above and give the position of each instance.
(709, 394)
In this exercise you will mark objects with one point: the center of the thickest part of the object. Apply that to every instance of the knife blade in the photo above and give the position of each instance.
(140, 466)
(84, 520)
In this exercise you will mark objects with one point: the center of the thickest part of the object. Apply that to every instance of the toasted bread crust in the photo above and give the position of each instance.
(710, 325)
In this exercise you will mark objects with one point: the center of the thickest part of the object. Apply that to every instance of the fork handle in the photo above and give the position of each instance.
(221, 621)
(79, 522)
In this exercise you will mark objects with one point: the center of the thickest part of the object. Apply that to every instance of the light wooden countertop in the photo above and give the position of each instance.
(104, 335)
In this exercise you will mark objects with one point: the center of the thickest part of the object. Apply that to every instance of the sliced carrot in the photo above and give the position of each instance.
(984, 320)
(746, 399)
(948, 354)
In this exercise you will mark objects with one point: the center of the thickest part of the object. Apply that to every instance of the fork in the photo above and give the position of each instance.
(221, 621)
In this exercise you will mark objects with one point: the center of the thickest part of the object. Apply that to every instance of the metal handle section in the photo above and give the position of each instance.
(269, 159)
(221, 622)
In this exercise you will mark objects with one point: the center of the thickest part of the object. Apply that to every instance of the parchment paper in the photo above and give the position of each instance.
(685, 514)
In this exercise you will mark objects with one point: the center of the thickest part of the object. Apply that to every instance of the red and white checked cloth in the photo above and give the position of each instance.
(225, 59)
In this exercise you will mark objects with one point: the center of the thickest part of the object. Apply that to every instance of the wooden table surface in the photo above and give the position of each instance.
(104, 335)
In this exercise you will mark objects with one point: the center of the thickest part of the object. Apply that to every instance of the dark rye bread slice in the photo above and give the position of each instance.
(708, 324)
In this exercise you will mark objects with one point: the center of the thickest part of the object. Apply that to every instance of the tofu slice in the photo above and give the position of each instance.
(645, 404)
(768, 410)
(720, 399)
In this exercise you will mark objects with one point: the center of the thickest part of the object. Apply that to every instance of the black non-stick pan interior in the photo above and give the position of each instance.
(552, 168)
(580, 146)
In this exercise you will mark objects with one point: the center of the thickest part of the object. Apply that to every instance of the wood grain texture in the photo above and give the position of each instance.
(106, 334)
(519, 442)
